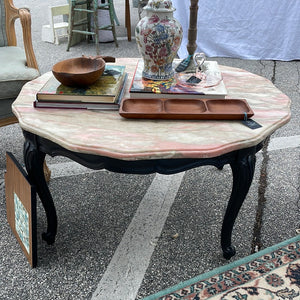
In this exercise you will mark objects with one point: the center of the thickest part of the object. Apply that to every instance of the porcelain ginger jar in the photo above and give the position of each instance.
(158, 37)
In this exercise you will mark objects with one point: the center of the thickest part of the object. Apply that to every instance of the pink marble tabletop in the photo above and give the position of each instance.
(108, 134)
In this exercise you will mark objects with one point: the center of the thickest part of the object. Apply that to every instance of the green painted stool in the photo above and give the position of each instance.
(83, 13)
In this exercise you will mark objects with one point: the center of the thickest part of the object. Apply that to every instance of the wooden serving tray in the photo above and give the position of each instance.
(185, 109)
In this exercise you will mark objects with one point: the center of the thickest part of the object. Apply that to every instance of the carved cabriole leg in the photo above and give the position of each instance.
(34, 161)
(242, 171)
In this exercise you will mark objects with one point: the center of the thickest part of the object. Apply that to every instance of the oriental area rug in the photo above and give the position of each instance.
(273, 273)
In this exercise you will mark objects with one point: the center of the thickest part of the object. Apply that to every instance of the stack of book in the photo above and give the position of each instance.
(105, 94)
(211, 87)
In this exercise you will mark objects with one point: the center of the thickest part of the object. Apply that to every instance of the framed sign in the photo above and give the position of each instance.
(21, 207)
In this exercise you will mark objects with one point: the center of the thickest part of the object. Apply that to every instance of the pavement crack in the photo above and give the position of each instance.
(273, 78)
(298, 82)
(263, 181)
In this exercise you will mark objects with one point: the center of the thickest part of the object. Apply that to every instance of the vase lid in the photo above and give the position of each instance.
(160, 6)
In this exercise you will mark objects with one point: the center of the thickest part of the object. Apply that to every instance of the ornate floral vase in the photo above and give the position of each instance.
(158, 37)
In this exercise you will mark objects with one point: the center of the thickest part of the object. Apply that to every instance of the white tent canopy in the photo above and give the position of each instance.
(248, 29)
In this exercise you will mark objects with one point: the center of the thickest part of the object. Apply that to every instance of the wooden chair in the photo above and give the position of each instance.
(54, 30)
(18, 65)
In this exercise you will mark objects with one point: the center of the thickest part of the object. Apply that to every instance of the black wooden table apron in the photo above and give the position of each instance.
(242, 163)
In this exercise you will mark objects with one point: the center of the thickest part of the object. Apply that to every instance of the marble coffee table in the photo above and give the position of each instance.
(102, 139)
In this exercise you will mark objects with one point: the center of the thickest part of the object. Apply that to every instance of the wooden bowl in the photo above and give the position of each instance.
(81, 71)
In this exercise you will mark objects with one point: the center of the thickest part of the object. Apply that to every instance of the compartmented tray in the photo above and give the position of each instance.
(185, 109)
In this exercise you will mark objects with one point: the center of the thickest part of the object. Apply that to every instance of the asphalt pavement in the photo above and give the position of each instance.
(102, 250)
